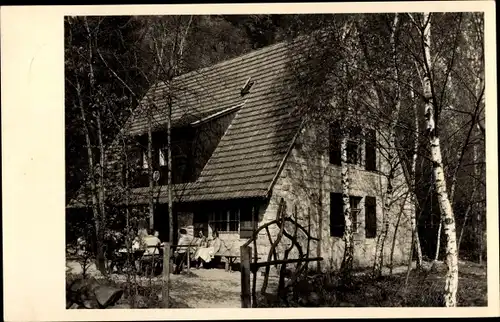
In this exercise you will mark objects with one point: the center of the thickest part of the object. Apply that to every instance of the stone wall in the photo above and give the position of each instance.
(306, 182)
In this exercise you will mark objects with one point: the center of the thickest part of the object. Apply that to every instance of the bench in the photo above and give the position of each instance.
(231, 254)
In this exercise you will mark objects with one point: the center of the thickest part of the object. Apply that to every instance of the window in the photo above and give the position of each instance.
(247, 221)
(334, 141)
(352, 152)
(337, 222)
(233, 220)
(370, 151)
(353, 144)
(370, 217)
(354, 202)
(225, 220)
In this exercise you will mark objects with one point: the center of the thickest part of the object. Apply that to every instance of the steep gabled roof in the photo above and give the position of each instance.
(249, 154)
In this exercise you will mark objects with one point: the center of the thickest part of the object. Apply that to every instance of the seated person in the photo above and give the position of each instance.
(150, 241)
(180, 252)
(205, 254)
(201, 240)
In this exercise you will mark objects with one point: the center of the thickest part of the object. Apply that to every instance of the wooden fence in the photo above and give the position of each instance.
(248, 291)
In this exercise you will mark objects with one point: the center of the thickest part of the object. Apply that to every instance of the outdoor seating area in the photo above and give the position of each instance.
(147, 253)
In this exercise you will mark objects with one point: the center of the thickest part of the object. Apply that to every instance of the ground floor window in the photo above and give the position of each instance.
(242, 220)
(337, 222)
(227, 220)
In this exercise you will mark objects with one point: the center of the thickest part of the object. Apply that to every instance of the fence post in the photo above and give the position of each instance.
(188, 258)
(166, 275)
(246, 252)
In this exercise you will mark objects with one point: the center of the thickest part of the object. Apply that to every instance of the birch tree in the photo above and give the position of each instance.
(448, 217)
(391, 155)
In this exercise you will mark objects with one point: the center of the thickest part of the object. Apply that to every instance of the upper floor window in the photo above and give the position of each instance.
(370, 150)
(354, 146)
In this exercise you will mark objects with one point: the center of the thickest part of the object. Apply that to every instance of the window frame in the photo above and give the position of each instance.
(355, 211)
(226, 222)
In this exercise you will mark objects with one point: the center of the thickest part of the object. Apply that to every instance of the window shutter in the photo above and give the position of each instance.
(370, 151)
(370, 217)
(336, 215)
(334, 141)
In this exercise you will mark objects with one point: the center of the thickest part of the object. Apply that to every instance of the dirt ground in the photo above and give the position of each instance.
(217, 288)
(202, 288)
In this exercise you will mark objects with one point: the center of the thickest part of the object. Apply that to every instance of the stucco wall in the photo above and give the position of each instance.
(306, 182)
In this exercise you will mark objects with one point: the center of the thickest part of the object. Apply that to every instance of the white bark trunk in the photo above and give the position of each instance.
(414, 219)
(391, 159)
(448, 217)
(348, 229)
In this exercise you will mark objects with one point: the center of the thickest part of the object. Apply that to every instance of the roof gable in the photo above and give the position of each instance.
(249, 154)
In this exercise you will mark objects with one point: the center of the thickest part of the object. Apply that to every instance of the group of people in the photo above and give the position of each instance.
(145, 241)
(201, 249)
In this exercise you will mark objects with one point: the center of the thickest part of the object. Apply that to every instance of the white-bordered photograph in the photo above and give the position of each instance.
(251, 159)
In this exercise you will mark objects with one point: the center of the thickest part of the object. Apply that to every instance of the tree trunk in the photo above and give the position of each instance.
(93, 187)
(347, 261)
(391, 160)
(102, 192)
(320, 227)
(169, 174)
(414, 219)
(448, 218)
(479, 211)
(150, 167)
(438, 241)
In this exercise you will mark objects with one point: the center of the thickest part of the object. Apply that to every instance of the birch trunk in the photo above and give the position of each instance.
(438, 240)
(391, 160)
(448, 218)
(414, 219)
(347, 261)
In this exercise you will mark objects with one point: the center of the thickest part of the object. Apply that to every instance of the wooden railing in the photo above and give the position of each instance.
(248, 295)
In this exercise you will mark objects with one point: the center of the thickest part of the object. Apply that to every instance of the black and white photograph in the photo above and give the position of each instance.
(251, 159)
(275, 160)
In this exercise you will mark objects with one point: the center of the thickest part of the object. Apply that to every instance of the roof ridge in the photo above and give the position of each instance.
(249, 54)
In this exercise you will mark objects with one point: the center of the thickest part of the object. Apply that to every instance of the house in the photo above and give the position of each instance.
(238, 149)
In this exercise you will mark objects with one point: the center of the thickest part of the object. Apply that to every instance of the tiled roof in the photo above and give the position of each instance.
(249, 154)
(248, 157)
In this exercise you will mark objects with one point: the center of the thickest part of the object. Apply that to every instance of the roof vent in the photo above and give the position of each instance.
(246, 88)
